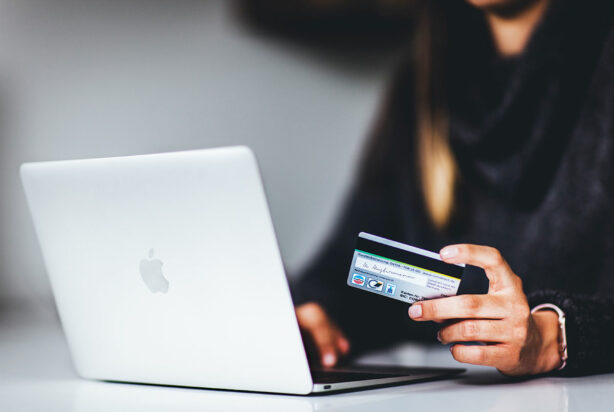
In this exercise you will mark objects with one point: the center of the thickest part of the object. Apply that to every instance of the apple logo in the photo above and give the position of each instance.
(151, 272)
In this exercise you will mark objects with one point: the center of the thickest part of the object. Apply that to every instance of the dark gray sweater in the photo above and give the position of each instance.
(533, 137)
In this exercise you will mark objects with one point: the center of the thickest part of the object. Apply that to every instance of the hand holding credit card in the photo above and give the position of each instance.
(401, 271)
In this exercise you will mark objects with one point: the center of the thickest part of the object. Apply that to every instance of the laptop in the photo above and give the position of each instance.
(165, 270)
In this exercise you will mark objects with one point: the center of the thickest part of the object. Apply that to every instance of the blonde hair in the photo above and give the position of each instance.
(436, 164)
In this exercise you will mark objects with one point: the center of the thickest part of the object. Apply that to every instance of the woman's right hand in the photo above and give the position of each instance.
(324, 341)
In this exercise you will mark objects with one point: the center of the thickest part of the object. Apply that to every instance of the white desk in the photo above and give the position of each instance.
(36, 374)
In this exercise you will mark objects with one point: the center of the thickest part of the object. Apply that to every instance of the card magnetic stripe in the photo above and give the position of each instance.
(410, 258)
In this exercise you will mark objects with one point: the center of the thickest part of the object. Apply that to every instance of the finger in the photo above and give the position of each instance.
(321, 334)
(498, 271)
(490, 355)
(343, 345)
(458, 307)
(321, 337)
(325, 342)
(475, 331)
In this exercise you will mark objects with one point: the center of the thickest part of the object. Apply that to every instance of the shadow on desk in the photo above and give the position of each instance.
(490, 377)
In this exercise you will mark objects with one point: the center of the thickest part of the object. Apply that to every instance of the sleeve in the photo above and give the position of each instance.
(590, 317)
(368, 320)
(590, 330)
(383, 202)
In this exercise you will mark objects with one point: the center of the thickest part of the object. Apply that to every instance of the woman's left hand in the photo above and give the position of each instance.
(517, 342)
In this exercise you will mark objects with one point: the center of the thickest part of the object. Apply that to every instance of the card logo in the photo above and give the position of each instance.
(358, 279)
(390, 288)
(375, 284)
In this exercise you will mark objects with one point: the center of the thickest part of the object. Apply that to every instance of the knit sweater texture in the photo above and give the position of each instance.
(533, 137)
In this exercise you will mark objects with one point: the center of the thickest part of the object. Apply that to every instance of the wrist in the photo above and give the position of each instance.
(549, 357)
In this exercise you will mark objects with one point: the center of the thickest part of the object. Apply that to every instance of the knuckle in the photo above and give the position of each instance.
(466, 250)
(479, 355)
(471, 303)
(470, 354)
(469, 330)
(429, 310)
(495, 258)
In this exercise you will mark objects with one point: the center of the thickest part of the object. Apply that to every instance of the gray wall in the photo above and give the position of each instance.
(84, 78)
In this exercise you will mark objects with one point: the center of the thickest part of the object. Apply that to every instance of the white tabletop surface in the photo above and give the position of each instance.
(36, 374)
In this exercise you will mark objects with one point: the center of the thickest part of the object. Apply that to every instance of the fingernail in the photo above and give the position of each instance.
(415, 311)
(328, 359)
(449, 252)
(439, 335)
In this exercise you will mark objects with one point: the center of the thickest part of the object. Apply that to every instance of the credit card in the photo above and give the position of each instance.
(401, 271)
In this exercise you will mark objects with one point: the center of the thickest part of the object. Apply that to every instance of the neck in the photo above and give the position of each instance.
(512, 29)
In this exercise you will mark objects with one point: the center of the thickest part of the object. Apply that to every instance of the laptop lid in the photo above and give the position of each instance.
(165, 269)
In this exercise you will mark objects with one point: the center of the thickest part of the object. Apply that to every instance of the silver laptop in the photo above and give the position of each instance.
(166, 270)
